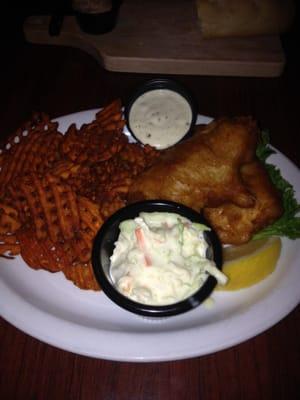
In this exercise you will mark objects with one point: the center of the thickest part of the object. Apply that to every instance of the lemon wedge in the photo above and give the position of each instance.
(250, 263)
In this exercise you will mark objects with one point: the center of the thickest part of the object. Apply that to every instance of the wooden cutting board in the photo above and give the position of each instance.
(164, 37)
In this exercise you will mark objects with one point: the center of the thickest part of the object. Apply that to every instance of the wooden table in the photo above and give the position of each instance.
(63, 80)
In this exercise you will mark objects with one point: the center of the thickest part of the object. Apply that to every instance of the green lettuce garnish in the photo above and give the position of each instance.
(289, 223)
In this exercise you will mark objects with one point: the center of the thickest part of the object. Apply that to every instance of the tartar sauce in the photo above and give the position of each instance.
(160, 258)
(160, 118)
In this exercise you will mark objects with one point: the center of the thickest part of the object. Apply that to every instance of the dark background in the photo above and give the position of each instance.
(25, 68)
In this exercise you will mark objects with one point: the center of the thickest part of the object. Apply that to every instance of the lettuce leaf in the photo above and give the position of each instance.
(289, 223)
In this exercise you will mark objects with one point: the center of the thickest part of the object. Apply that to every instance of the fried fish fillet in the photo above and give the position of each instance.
(236, 225)
(203, 171)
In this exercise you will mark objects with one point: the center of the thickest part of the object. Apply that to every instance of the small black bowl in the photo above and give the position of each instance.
(104, 245)
(163, 83)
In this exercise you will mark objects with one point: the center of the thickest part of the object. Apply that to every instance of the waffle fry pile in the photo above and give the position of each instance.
(56, 190)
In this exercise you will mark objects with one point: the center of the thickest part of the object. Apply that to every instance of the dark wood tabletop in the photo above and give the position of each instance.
(61, 81)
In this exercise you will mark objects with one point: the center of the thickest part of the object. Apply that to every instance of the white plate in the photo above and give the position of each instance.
(52, 309)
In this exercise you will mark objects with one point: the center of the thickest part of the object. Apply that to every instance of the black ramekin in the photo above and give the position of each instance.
(103, 247)
(163, 83)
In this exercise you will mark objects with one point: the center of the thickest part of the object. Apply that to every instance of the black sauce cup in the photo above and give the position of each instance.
(163, 83)
(103, 247)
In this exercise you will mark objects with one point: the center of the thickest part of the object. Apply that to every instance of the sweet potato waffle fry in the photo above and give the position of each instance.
(9, 224)
(33, 148)
(56, 190)
(82, 276)
(42, 253)
(52, 206)
(99, 140)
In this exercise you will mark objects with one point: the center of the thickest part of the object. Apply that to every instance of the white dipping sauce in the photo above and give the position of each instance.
(160, 118)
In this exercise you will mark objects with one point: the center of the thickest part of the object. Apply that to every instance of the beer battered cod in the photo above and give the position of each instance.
(216, 171)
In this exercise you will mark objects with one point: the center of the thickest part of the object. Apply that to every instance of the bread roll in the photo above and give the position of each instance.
(221, 18)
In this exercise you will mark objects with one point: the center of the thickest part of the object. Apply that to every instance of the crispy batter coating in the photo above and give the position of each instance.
(204, 170)
(236, 225)
(217, 171)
